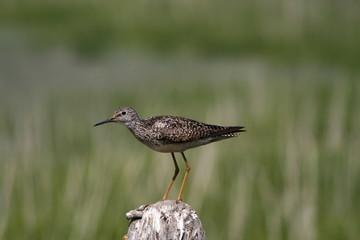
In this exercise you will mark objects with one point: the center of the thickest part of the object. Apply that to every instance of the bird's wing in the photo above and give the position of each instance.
(179, 129)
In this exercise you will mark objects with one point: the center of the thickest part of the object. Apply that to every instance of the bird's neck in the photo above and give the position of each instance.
(135, 124)
(138, 129)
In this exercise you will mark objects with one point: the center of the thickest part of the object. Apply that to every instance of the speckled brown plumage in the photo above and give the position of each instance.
(177, 134)
(172, 134)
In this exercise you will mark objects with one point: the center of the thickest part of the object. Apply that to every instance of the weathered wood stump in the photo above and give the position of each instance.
(164, 220)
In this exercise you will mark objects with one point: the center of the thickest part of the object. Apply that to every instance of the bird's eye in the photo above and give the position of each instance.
(123, 113)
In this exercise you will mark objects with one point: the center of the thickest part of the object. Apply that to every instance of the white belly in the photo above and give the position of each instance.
(178, 147)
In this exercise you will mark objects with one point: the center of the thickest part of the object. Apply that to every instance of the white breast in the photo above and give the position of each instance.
(178, 147)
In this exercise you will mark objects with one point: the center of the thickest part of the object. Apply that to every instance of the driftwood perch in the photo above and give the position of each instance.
(164, 220)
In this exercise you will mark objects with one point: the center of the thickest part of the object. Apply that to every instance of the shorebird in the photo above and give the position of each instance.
(170, 134)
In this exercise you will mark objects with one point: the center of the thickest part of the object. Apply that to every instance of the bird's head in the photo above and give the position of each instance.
(124, 115)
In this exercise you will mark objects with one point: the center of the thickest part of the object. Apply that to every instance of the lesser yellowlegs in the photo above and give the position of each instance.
(170, 134)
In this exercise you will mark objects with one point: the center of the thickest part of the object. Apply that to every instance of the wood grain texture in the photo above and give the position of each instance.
(165, 220)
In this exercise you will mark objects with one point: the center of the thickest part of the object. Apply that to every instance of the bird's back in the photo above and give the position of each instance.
(177, 134)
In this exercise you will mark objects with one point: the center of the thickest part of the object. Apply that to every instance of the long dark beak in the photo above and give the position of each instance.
(103, 122)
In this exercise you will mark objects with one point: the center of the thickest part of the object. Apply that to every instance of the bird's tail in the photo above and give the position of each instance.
(231, 131)
(236, 129)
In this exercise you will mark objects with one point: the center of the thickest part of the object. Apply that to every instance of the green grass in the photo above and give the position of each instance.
(318, 30)
(293, 175)
(288, 71)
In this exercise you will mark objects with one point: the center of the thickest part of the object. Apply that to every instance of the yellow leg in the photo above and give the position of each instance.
(185, 177)
(173, 178)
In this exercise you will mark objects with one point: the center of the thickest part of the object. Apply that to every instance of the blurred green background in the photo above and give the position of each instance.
(287, 70)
